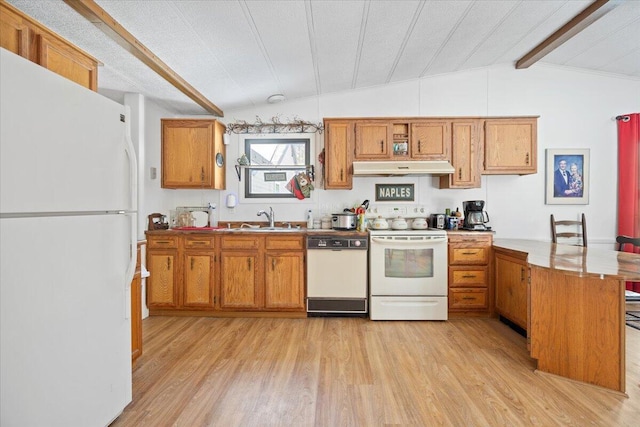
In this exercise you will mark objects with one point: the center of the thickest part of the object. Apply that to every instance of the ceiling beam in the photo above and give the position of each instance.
(581, 21)
(105, 22)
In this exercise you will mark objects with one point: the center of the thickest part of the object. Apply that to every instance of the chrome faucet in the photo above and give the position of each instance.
(272, 221)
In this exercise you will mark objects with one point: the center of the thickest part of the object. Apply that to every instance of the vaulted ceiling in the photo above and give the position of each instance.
(239, 52)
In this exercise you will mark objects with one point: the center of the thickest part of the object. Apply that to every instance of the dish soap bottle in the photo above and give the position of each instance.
(309, 219)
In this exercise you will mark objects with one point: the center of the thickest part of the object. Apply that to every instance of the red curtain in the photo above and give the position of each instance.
(629, 180)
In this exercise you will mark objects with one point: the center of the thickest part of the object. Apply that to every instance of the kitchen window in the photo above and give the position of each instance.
(284, 155)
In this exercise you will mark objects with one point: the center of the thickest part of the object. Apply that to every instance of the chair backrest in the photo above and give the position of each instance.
(580, 235)
(626, 240)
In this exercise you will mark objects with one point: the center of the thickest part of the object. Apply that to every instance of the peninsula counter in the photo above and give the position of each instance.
(576, 309)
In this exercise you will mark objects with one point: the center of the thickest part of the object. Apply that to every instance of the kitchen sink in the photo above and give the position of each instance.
(265, 230)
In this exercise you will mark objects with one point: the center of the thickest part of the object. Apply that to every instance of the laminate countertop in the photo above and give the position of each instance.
(576, 260)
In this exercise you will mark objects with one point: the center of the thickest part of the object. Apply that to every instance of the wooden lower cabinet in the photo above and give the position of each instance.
(198, 280)
(162, 285)
(208, 273)
(182, 272)
(511, 284)
(136, 317)
(469, 274)
(262, 273)
(284, 278)
(240, 286)
(136, 309)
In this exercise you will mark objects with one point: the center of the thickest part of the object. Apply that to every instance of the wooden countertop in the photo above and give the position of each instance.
(576, 259)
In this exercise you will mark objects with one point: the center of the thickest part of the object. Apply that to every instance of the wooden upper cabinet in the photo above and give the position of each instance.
(28, 38)
(431, 140)
(14, 31)
(465, 156)
(338, 149)
(189, 152)
(60, 58)
(373, 140)
(510, 146)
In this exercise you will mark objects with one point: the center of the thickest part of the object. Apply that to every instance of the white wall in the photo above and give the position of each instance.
(576, 110)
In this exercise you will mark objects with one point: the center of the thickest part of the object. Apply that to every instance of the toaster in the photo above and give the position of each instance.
(437, 221)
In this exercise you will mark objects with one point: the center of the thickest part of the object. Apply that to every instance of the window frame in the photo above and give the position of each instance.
(245, 147)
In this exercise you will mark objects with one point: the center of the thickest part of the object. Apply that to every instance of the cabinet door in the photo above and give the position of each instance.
(465, 157)
(338, 146)
(62, 59)
(187, 153)
(284, 281)
(510, 146)
(431, 140)
(14, 32)
(136, 317)
(162, 283)
(198, 280)
(372, 141)
(240, 287)
(219, 152)
(511, 289)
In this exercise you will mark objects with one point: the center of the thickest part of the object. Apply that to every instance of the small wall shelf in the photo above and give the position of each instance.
(310, 169)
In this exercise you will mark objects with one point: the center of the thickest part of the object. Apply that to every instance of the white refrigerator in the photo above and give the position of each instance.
(68, 245)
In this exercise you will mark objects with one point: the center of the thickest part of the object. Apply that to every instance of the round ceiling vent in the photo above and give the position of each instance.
(274, 99)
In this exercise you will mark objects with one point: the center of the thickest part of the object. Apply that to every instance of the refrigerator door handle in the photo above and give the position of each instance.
(133, 193)
(133, 165)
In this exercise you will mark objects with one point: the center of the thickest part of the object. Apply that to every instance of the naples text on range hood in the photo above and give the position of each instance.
(432, 167)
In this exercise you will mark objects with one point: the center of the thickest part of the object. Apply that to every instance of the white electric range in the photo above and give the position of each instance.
(408, 274)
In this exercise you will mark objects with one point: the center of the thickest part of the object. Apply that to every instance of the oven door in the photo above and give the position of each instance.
(408, 265)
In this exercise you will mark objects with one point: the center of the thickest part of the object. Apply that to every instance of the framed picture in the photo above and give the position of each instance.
(567, 176)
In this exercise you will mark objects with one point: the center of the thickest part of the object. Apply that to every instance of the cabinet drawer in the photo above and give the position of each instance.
(240, 242)
(468, 276)
(199, 242)
(471, 239)
(157, 242)
(468, 255)
(288, 242)
(468, 298)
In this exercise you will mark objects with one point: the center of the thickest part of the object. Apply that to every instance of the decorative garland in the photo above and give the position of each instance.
(276, 126)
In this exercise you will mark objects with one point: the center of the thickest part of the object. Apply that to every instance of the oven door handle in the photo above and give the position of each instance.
(431, 240)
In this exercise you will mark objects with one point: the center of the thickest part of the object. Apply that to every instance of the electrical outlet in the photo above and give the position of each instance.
(153, 173)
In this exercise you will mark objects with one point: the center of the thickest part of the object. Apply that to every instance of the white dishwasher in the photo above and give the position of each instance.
(337, 275)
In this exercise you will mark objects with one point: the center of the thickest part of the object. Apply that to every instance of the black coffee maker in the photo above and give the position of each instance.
(475, 216)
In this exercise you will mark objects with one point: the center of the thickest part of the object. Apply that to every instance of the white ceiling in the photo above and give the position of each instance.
(238, 52)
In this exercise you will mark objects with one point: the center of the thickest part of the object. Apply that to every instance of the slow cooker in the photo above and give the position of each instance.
(343, 221)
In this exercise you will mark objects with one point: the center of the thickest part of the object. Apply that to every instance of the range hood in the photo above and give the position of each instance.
(390, 168)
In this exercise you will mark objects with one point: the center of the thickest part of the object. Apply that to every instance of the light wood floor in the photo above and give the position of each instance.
(202, 371)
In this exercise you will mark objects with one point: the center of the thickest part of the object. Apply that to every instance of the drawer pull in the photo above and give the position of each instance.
(469, 276)
(468, 298)
(249, 264)
(199, 242)
(168, 263)
(469, 253)
(163, 242)
(192, 263)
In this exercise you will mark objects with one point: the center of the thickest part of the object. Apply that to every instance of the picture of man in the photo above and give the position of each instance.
(561, 180)
(569, 172)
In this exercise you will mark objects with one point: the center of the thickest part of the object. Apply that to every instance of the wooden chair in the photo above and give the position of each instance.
(626, 240)
(579, 235)
(635, 243)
